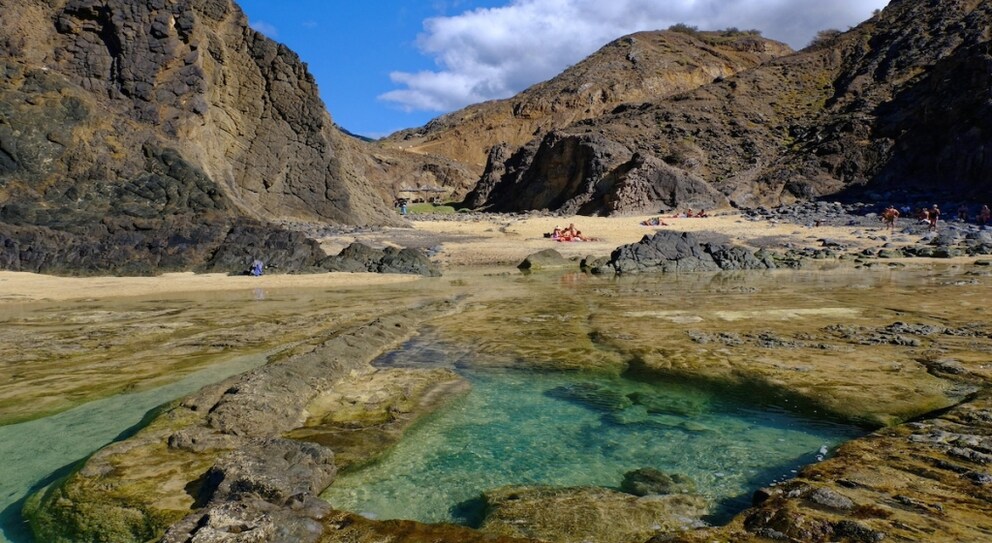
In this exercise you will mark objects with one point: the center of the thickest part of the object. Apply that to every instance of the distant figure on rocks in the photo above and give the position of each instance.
(889, 217)
(933, 215)
(985, 215)
(963, 213)
(256, 268)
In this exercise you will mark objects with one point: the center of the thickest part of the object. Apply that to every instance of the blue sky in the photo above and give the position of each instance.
(385, 65)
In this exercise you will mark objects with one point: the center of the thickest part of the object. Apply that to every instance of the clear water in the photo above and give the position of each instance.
(36, 453)
(571, 429)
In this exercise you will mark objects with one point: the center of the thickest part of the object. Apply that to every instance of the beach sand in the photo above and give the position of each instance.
(501, 240)
(478, 240)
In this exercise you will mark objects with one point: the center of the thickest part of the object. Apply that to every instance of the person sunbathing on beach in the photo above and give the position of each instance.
(556, 233)
(654, 221)
(702, 214)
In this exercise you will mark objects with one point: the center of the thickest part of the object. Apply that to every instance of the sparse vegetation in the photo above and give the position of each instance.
(825, 37)
(429, 208)
(684, 28)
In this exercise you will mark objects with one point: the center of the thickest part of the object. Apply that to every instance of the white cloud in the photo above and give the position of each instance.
(268, 29)
(494, 53)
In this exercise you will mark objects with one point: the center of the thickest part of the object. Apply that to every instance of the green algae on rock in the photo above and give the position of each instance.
(135, 489)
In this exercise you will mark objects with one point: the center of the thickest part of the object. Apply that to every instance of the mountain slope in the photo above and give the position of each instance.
(900, 101)
(634, 68)
(138, 136)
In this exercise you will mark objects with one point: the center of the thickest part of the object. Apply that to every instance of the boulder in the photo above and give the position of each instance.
(359, 257)
(669, 251)
(543, 260)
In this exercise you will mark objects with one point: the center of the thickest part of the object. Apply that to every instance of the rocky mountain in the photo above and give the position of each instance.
(900, 102)
(141, 136)
(635, 68)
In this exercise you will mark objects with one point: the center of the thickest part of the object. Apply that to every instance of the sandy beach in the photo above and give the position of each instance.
(499, 240)
(479, 240)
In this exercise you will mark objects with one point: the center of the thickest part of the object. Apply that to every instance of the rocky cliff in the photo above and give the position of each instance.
(138, 136)
(899, 102)
(635, 68)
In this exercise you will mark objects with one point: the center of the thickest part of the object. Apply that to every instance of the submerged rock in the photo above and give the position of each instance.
(592, 514)
(649, 481)
(546, 259)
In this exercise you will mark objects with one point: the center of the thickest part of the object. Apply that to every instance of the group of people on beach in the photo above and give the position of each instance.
(931, 215)
(568, 234)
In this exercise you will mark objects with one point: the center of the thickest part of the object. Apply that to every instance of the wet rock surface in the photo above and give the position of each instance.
(921, 475)
(920, 481)
(215, 462)
(588, 514)
(543, 260)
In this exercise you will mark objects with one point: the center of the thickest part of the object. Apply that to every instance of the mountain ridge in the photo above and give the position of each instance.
(827, 120)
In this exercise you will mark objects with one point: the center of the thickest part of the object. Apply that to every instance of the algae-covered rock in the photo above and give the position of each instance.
(648, 481)
(544, 260)
(593, 514)
(220, 449)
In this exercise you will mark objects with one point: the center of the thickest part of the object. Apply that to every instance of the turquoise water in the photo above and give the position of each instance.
(36, 453)
(568, 429)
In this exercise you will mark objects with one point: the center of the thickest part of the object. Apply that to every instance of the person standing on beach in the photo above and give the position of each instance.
(934, 216)
(985, 215)
(889, 217)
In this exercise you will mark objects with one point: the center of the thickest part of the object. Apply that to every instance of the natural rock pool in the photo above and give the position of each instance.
(726, 382)
(569, 429)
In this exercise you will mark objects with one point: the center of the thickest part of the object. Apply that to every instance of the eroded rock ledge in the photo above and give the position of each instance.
(216, 465)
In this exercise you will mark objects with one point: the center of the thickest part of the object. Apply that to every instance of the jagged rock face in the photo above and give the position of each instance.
(634, 68)
(122, 123)
(901, 101)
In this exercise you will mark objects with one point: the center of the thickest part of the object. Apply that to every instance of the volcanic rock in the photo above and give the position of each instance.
(668, 252)
(148, 136)
(897, 102)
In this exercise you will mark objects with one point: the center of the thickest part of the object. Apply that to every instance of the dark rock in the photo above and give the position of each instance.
(274, 470)
(830, 499)
(669, 251)
(359, 257)
(113, 163)
(650, 481)
(858, 532)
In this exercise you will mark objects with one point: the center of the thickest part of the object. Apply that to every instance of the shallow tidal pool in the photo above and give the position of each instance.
(568, 429)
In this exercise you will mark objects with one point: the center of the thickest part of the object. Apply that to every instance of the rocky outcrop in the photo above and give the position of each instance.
(892, 103)
(591, 514)
(920, 481)
(543, 260)
(142, 136)
(674, 252)
(633, 69)
(358, 257)
(215, 466)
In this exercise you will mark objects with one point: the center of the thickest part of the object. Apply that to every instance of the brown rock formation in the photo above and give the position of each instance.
(900, 101)
(635, 68)
(135, 135)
